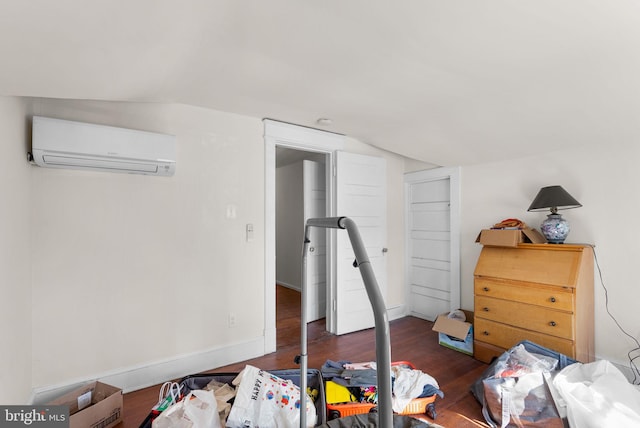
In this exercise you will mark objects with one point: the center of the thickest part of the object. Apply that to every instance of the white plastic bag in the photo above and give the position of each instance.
(265, 400)
(197, 410)
(598, 395)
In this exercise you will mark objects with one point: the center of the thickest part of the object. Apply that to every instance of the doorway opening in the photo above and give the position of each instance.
(300, 193)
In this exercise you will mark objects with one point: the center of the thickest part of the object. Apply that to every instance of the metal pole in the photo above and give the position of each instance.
(383, 342)
(303, 332)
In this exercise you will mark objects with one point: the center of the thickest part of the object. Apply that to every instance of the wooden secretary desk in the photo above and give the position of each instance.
(539, 292)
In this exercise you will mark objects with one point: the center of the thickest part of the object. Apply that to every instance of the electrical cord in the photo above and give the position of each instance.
(632, 363)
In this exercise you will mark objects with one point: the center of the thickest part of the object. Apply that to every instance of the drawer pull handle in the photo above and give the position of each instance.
(553, 299)
(485, 288)
(486, 333)
(485, 309)
(552, 323)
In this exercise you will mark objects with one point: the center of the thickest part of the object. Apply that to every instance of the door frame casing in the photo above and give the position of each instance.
(442, 173)
(307, 139)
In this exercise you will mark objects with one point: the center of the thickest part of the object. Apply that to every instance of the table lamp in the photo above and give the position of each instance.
(554, 228)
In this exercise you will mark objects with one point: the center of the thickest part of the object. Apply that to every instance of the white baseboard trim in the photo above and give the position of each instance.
(291, 286)
(396, 312)
(157, 372)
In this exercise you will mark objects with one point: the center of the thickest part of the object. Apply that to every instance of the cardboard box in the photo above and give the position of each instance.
(509, 237)
(95, 405)
(455, 334)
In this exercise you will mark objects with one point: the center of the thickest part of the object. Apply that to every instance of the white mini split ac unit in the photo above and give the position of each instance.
(60, 143)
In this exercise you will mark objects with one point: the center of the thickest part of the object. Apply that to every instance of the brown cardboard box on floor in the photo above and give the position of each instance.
(94, 404)
(455, 334)
(509, 237)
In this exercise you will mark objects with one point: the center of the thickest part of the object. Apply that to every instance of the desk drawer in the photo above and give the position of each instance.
(560, 298)
(530, 317)
(505, 336)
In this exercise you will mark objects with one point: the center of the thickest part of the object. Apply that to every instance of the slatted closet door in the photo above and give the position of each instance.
(430, 249)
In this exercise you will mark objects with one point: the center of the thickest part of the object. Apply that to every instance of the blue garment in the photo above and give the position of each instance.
(430, 390)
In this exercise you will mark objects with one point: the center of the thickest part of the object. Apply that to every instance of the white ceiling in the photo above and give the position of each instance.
(451, 82)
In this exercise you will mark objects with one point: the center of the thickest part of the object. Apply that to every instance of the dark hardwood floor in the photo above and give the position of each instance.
(411, 340)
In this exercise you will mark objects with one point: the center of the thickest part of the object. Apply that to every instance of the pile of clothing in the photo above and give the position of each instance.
(357, 382)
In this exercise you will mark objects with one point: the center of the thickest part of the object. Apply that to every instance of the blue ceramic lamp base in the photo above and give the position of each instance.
(555, 229)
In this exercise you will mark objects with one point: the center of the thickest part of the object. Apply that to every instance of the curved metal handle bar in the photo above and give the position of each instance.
(327, 222)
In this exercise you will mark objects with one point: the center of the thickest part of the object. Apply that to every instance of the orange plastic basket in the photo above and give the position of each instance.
(335, 411)
(417, 406)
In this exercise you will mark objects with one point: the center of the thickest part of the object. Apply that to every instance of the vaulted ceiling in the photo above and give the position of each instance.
(450, 82)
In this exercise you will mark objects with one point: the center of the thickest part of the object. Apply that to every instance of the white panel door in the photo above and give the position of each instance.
(433, 268)
(361, 196)
(314, 202)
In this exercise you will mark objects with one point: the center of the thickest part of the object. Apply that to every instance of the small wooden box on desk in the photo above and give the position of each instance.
(539, 292)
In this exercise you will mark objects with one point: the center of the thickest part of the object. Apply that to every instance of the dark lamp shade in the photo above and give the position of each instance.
(553, 197)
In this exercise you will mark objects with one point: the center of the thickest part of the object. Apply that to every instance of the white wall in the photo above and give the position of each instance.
(15, 255)
(604, 180)
(133, 271)
(289, 224)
